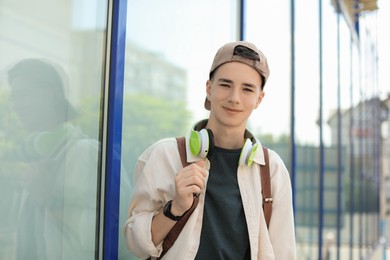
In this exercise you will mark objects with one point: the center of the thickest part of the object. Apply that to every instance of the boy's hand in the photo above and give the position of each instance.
(190, 180)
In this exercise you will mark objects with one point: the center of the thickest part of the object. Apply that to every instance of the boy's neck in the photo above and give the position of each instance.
(227, 137)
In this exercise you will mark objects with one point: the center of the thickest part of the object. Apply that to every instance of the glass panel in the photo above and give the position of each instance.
(307, 78)
(347, 190)
(166, 68)
(52, 53)
(331, 186)
(268, 25)
(271, 121)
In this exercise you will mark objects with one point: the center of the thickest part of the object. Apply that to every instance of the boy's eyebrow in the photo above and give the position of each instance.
(248, 85)
(225, 80)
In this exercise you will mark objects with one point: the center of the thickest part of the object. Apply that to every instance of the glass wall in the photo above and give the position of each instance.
(51, 77)
(271, 121)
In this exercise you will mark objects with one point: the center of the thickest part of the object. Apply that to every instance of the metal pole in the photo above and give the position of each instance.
(321, 148)
(339, 140)
(241, 27)
(292, 110)
(351, 158)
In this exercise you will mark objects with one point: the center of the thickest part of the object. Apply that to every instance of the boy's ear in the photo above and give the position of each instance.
(260, 98)
(208, 89)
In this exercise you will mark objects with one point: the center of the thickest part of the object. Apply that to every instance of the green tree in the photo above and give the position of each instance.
(147, 119)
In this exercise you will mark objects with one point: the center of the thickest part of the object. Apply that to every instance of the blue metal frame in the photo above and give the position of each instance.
(114, 130)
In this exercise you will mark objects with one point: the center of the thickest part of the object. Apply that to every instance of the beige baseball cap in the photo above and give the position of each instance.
(238, 51)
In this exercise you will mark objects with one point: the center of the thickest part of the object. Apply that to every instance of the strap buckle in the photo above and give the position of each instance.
(268, 200)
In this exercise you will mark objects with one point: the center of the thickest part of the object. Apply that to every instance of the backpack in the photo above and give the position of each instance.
(266, 192)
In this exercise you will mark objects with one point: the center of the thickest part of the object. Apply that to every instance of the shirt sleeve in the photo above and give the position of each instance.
(154, 185)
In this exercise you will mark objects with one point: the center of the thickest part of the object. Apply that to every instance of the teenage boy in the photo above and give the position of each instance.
(223, 174)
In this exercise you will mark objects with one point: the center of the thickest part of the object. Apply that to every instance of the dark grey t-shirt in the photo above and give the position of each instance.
(224, 231)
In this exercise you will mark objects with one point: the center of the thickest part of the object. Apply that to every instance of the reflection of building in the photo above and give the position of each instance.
(150, 74)
(365, 135)
(365, 139)
(386, 152)
(352, 9)
(361, 134)
(365, 121)
(73, 47)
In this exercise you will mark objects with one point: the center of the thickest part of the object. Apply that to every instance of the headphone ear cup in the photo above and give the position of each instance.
(195, 143)
(201, 142)
(247, 153)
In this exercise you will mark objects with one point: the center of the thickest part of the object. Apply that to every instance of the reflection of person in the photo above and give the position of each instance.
(228, 222)
(58, 199)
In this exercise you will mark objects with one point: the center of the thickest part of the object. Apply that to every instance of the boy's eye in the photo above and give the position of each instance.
(248, 89)
(225, 85)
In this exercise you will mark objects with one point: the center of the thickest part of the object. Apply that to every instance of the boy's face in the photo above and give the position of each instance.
(234, 92)
(36, 104)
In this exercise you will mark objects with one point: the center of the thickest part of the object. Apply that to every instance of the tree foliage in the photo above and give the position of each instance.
(147, 119)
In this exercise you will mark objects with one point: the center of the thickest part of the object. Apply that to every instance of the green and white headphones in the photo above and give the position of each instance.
(202, 145)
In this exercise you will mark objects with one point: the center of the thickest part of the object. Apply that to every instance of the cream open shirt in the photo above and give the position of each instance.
(154, 179)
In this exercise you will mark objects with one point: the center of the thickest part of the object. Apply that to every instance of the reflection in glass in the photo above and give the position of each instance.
(48, 171)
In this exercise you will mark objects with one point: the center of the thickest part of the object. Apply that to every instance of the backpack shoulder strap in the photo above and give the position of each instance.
(181, 145)
(266, 187)
(175, 231)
